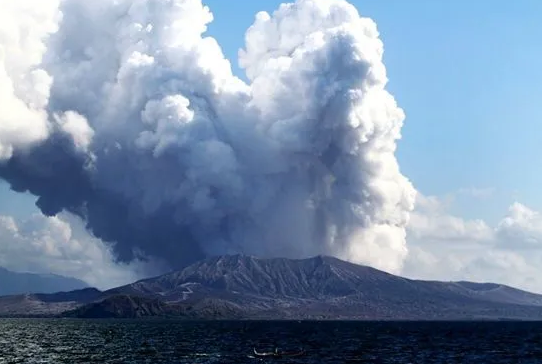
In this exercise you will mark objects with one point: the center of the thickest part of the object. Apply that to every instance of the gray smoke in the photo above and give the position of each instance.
(125, 114)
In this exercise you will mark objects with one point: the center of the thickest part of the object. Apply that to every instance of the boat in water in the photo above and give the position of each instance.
(278, 354)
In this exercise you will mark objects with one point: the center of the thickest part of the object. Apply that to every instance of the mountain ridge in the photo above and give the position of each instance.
(321, 287)
(12, 283)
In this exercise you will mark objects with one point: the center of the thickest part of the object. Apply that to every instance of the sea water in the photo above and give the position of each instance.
(170, 341)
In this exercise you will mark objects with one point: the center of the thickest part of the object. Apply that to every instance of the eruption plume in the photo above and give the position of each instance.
(125, 114)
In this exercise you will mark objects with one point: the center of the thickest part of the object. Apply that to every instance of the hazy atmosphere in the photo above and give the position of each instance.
(139, 136)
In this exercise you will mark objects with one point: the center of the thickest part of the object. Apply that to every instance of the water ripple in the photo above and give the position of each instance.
(161, 341)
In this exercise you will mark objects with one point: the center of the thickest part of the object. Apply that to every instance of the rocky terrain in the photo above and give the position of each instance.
(233, 287)
(12, 283)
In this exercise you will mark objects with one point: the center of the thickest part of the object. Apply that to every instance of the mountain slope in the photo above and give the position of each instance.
(317, 288)
(329, 287)
(317, 278)
(126, 306)
(12, 283)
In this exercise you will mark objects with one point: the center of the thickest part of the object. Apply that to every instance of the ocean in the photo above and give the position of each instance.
(169, 341)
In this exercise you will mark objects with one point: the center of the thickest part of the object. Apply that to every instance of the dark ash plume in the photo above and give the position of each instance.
(137, 125)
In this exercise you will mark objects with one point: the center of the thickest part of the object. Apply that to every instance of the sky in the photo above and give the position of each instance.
(467, 76)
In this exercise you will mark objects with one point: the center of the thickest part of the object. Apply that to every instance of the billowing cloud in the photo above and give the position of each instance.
(447, 247)
(129, 117)
(24, 83)
(61, 245)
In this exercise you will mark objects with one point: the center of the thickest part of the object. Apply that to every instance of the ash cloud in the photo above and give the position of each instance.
(135, 123)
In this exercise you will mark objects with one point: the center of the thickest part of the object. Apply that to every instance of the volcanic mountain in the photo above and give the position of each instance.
(322, 287)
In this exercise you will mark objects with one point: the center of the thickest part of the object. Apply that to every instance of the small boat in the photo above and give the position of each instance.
(278, 354)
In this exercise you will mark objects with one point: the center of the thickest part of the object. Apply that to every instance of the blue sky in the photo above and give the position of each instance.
(467, 75)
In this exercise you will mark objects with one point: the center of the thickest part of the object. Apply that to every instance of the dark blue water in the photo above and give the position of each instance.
(76, 341)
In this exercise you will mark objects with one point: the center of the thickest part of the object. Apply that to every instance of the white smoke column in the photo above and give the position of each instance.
(318, 79)
(172, 155)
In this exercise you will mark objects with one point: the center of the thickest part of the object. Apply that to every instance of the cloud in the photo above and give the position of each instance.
(141, 129)
(521, 229)
(61, 245)
(432, 221)
(447, 247)
(24, 84)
